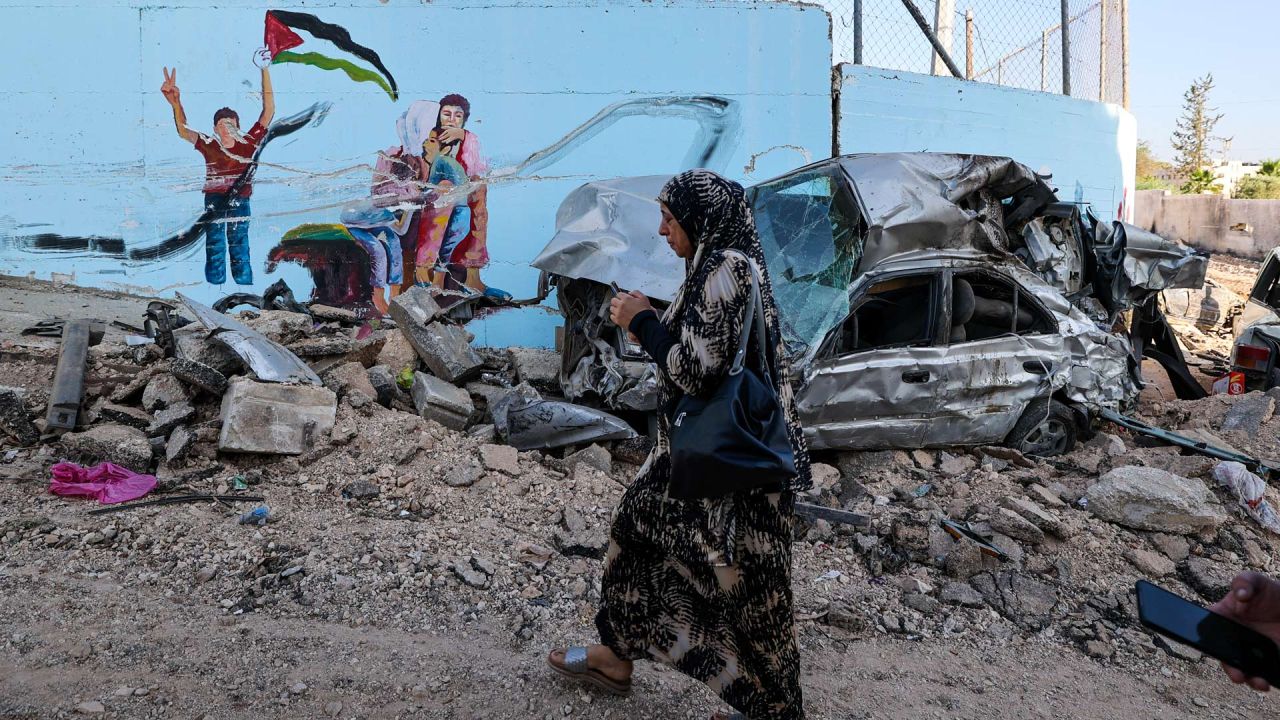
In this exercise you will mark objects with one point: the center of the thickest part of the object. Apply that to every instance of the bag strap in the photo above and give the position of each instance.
(754, 310)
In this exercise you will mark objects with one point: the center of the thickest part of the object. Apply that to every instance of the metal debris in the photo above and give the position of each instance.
(269, 360)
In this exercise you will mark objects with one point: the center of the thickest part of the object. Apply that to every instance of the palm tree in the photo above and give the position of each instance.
(1270, 167)
(1201, 181)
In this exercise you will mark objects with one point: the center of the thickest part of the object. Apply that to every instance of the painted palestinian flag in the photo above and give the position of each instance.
(280, 40)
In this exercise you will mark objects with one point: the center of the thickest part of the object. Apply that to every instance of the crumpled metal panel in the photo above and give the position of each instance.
(543, 424)
(915, 201)
(607, 231)
(270, 361)
(1154, 263)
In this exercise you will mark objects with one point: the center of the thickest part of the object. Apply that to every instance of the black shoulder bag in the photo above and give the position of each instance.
(736, 439)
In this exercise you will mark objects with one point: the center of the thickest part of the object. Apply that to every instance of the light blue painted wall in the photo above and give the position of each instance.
(87, 145)
(1089, 147)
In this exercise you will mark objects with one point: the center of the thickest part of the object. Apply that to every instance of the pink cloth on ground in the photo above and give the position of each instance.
(105, 482)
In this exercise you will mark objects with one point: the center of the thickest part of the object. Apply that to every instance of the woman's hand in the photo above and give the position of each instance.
(626, 305)
(1253, 601)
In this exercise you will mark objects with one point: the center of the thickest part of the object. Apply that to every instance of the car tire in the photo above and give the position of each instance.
(1046, 428)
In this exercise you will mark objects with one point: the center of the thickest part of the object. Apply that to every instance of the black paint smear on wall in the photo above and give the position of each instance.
(63, 244)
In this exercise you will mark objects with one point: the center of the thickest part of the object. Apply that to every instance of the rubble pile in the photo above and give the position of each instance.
(394, 496)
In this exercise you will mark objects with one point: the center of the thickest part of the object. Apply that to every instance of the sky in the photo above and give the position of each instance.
(1173, 42)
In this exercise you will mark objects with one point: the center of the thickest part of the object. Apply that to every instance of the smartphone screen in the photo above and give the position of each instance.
(1212, 634)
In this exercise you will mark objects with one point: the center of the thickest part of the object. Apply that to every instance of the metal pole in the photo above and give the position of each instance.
(1044, 61)
(933, 39)
(1000, 73)
(857, 32)
(1066, 48)
(968, 44)
(944, 16)
(1102, 51)
(1124, 53)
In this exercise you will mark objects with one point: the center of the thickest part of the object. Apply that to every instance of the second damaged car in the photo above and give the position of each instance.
(927, 300)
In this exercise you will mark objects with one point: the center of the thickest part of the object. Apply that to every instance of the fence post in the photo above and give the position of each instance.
(944, 15)
(857, 32)
(1124, 53)
(923, 24)
(1102, 51)
(1066, 48)
(968, 44)
(1044, 61)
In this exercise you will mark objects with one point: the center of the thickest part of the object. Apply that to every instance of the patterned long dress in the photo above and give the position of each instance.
(705, 585)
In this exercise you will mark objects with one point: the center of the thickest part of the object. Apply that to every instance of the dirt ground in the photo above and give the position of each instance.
(382, 588)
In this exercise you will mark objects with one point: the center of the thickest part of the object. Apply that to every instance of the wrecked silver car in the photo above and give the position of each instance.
(927, 300)
(1256, 351)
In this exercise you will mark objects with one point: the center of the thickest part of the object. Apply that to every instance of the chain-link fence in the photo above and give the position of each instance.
(1017, 43)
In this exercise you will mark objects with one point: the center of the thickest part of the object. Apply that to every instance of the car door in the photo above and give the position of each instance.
(1264, 299)
(875, 382)
(1001, 351)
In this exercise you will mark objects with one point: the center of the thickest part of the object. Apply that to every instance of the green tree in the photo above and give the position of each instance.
(1148, 164)
(1200, 181)
(1259, 187)
(1270, 168)
(1195, 128)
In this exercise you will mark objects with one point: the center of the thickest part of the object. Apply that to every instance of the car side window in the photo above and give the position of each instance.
(1267, 288)
(984, 305)
(895, 312)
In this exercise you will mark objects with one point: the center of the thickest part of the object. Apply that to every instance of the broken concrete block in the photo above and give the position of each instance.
(349, 377)
(463, 475)
(125, 415)
(180, 443)
(502, 458)
(383, 382)
(437, 400)
(415, 308)
(200, 375)
(1015, 526)
(323, 346)
(333, 314)
(169, 418)
(1150, 563)
(593, 456)
(125, 446)
(275, 419)
(445, 350)
(162, 391)
(1249, 412)
(1146, 498)
(540, 368)
(397, 353)
(282, 326)
(14, 420)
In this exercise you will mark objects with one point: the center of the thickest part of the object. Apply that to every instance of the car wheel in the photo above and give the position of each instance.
(1045, 429)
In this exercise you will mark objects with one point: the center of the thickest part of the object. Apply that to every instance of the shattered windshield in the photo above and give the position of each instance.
(808, 226)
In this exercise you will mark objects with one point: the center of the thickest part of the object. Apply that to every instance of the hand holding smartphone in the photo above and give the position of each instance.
(1219, 637)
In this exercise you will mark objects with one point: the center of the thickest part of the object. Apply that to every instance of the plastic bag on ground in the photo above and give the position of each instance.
(105, 482)
(1250, 490)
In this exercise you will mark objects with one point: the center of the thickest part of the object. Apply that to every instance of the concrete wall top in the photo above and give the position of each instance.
(1089, 147)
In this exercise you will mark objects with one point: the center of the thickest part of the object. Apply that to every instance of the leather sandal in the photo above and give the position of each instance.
(575, 667)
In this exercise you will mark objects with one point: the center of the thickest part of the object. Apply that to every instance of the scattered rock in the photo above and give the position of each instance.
(1036, 515)
(275, 419)
(164, 390)
(438, 400)
(91, 707)
(960, 593)
(14, 420)
(1040, 493)
(1015, 526)
(825, 478)
(397, 354)
(1208, 578)
(179, 445)
(1099, 649)
(360, 490)
(464, 475)
(1151, 564)
(1150, 499)
(1249, 412)
(415, 306)
(470, 576)
(965, 560)
(502, 458)
(169, 418)
(350, 377)
(1175, 547)
(593, 456)
(333, 314)
(125, 415)
(445, 349)
(1022, 599)
(383, 382)
(207, 573)
(845, 617)
(198, 374)
(536, 366)
(125, 446)
(194, 345)
(955, 465)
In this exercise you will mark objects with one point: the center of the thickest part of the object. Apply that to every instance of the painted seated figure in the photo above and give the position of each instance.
(447, 218)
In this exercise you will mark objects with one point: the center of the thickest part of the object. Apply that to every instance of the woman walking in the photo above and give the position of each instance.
(703, 584)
